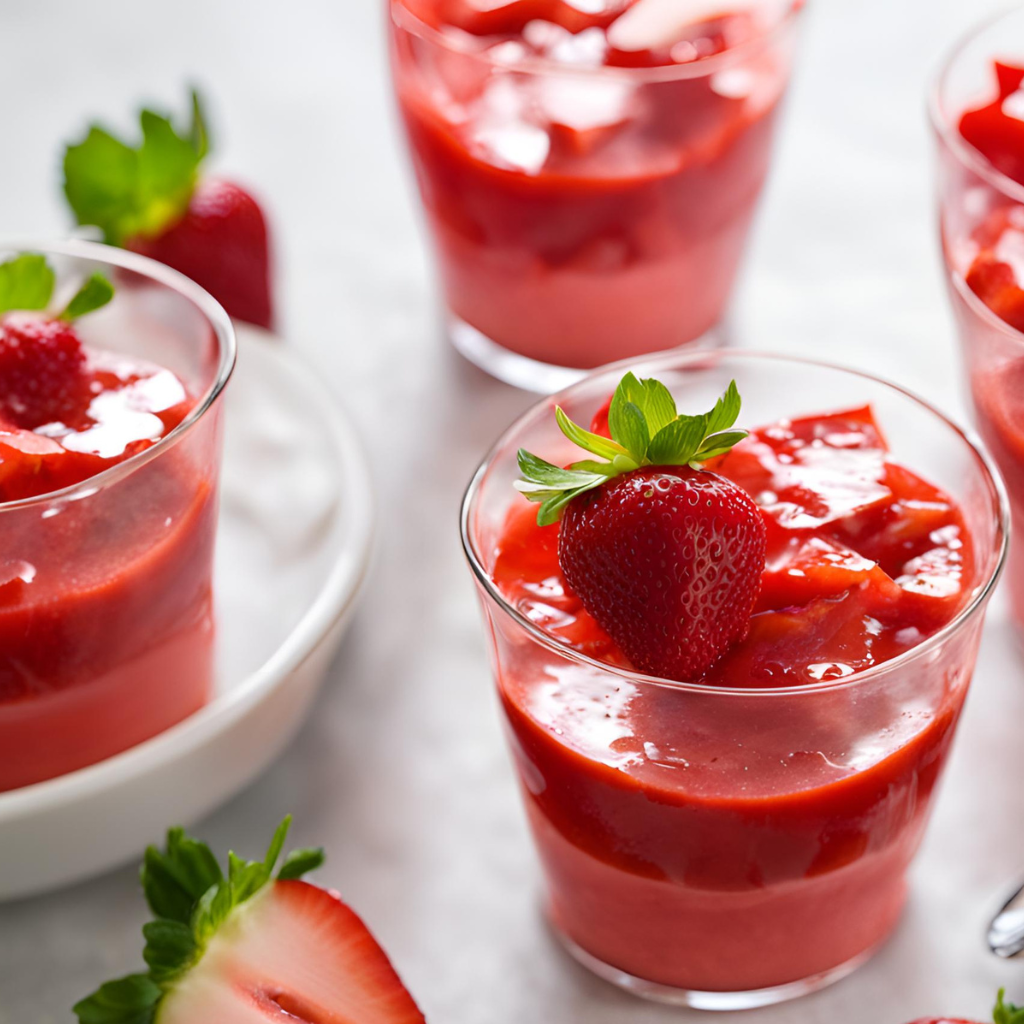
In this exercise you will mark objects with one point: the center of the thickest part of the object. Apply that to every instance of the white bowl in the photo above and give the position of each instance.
(293, 546)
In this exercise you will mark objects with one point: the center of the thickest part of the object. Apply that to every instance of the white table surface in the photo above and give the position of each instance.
(401, 771)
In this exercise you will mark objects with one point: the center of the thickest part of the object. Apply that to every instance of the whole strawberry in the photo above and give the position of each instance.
(42, 362)
(152, 199)
(666, 556)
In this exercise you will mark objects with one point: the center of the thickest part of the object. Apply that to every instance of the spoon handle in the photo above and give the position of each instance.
(1006, 933)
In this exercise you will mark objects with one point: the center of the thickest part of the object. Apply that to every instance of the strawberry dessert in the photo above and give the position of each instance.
(106, 631)
(589, 169)
(693, 638)
(249, 946)
(152, 198)
(983, 235)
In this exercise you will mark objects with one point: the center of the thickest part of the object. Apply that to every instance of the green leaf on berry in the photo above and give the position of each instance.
(95, 293)
(129, 191)
(1007, 1013)
(646, 430)
(190, 897)
(26, 282)
(299, 862)
(130, 1000)
(198, 134)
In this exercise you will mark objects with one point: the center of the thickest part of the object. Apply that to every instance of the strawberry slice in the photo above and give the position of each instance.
(249, 947)
(152, 199)
(297, 954)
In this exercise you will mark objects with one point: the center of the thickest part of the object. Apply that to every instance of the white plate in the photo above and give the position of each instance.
(293, 546)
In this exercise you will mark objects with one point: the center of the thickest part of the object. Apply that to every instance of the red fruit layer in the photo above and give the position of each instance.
(105, 600)
(865, 559)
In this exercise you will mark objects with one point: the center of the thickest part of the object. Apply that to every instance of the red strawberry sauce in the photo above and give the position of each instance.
(586, 214)
(105, 599)
(750, 839)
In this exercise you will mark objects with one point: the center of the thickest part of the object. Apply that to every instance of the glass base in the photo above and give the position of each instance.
(531, 374)
(696, 1000)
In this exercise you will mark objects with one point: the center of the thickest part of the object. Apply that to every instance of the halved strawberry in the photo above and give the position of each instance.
(249, 948)
(664, 555)
(151, 198)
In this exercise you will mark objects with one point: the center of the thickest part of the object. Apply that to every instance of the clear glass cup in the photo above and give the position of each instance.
(976, 202)
(586, 214)
(681, 862)
(106, 603)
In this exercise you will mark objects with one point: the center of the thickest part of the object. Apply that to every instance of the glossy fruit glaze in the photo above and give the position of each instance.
(990, 261)
(746, 841)
(105, 598)
(583, 212)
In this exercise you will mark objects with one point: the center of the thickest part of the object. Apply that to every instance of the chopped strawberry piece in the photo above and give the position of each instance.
(996, 131)
(42, 377)
(995, 283)
(814, 567)
(509, 18)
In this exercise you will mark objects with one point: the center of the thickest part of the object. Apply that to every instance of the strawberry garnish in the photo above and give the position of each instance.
(1004, 1013)
(666, 556)
(42, 363)
(152, 198)
(249, 946)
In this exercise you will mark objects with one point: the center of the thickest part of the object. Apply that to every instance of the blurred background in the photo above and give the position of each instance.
(401, 771)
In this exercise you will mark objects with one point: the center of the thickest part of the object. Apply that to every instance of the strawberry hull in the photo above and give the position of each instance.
(693, 833)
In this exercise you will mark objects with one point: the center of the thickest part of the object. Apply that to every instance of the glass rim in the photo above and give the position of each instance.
(403, 18)
(210, 308)
(970, 611)
(947, 133)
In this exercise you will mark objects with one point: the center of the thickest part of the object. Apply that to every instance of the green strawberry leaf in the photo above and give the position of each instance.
(1007, 1013)
(198, 134)
(677, 444)
(26, 282)
(95, 293)
(646, 430)
(174, 879)
(190, 897)
(726, 410)
(129, 191)
(130, 1000)
(299, 862)
(170, 948)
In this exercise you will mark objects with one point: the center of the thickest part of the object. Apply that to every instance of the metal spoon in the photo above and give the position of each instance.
(1006, 933)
